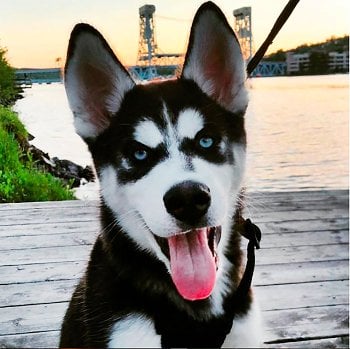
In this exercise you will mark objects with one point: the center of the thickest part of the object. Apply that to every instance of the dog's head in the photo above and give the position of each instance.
(170, 156)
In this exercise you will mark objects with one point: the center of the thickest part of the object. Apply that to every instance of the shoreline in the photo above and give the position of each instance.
(24, 170)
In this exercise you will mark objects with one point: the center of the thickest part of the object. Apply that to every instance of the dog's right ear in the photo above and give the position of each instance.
(95, 81)
(214, 59)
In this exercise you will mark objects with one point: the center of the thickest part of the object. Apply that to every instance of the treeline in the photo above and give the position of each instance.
(9, 92)
(331, 45)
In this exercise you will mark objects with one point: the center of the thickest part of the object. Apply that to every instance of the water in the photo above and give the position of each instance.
(297, 132)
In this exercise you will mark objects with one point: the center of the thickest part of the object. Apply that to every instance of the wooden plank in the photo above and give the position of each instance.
(265, 201)
(41, 272)
(36, 293)
(48, 210)
(296, 196)
(336, 342)
(304, 195)
(297, 254)
(286, 325)
(264, 274)
(270, 297)
(311, 322)
(45, 255)
(87, 238)
(31, 318)
(50, 240)
(48, 339)
(21, 206)
(259, 198)
(312, 214)
(93, 226)
(49, 228)
(254, 206)
(307, 238)
(293, 296)
(81, 214)
(53, 216)
(306, 225)
(273, 274)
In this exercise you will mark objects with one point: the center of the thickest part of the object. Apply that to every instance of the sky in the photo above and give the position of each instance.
(36, 32)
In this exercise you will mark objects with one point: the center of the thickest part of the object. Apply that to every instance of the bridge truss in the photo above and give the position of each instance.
(150, 59)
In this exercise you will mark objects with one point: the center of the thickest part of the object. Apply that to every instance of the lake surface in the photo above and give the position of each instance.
(297, 131)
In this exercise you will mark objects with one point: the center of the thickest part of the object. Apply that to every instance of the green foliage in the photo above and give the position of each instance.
(279, 56)
(11, 124)
(20, 180)
(331, 45)
(318, 63)
(8, 89)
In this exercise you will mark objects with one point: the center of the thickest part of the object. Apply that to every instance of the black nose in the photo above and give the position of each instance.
(187, 201)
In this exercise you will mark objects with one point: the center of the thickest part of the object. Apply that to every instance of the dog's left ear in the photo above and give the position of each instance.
(214, 59)
(96, 82)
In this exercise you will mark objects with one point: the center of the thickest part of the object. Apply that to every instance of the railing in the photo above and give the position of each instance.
(41, 76)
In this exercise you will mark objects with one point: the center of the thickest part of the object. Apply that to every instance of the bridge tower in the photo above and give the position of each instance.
(243, 29)
(151, 62)
(147, 49)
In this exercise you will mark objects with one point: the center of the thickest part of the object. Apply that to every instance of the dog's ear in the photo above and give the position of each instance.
(95, 81)
(214, 59)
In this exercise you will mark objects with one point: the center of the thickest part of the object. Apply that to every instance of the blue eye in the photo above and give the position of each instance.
(206, 142)
(140, 155)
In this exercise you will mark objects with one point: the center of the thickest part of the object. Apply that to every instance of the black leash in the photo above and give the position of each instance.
(287, 11)
(251, 232)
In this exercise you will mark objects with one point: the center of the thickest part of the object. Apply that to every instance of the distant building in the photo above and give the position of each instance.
(299, 63)
(338, 61)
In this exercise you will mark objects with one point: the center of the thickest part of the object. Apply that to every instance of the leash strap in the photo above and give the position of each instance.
(287, 11)
(251, 232)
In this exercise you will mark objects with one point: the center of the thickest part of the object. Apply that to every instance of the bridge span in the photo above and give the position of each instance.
(27, 77)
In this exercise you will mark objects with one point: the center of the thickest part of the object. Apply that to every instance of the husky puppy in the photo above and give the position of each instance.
(170, 159)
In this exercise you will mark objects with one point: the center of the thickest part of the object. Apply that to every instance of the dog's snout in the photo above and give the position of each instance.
(187, 201)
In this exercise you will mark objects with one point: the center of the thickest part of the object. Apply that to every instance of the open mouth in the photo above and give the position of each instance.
(193, 260)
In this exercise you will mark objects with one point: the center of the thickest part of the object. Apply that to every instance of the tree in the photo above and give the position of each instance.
(318, 63)
(8, 90)
(279, 56)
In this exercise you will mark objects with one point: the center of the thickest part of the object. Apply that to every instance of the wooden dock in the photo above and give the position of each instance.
(301, 277)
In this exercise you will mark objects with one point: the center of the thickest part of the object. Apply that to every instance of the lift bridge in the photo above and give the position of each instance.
(153, 63)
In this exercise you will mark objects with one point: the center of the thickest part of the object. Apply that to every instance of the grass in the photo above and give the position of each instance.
(20, 180)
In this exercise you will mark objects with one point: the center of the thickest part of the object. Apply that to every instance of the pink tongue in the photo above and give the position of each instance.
(193, 268)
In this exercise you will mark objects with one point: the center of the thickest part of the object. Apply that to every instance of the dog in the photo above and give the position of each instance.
(170, 158)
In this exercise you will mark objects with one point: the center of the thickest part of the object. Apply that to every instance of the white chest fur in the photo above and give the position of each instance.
(138, 331)
(134, 331)
(246, 331)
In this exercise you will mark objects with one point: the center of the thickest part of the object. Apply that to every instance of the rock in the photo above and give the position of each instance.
(70, 171)
(67, 170)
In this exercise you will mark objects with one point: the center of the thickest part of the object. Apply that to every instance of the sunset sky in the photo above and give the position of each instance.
(36, 32)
